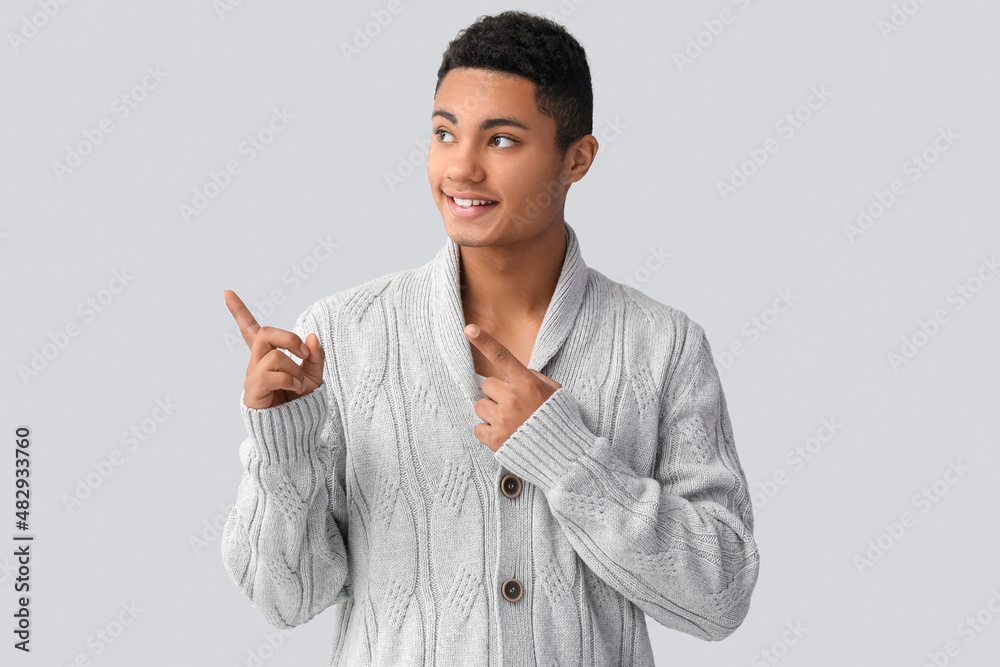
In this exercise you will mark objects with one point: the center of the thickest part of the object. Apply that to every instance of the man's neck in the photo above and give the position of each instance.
(509, 286)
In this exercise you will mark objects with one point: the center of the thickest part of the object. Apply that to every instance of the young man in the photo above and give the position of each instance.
(529, 517)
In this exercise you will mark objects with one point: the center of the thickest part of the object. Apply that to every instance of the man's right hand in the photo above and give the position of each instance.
(273, 378)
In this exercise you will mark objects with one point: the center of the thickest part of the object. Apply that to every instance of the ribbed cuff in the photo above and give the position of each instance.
(549, 442)
(289, 431)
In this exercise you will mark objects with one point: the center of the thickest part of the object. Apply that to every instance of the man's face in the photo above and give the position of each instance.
(512, 161)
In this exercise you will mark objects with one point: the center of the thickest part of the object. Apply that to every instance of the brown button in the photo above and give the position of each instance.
(512, 590)
(511, 486)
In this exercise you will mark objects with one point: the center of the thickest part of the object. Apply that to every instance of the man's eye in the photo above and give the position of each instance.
(439, 133)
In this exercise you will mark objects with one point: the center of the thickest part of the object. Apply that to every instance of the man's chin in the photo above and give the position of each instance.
(465, 232)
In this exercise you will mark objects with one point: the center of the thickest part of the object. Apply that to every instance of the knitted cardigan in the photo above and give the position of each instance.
(621, 495)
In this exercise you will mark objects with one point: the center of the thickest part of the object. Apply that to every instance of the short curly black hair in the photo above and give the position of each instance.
(539, 50)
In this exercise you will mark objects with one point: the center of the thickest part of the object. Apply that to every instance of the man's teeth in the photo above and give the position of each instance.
(466, 203)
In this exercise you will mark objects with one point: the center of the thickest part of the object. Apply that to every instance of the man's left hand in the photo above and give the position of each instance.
(508, 404)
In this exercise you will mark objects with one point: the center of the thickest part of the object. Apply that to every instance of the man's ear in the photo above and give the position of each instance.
(579, 156)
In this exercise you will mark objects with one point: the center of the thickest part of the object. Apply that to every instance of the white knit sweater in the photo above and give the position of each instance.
(622, 494)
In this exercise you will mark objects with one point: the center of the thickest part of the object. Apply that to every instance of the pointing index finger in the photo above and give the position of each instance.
(499, 355)
(244, 318)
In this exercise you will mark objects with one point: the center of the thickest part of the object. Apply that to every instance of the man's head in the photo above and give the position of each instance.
(512, 123)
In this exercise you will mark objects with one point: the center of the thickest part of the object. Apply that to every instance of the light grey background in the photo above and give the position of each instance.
(668, 133)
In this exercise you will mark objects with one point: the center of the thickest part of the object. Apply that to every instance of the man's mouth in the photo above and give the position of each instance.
(468, 203)
(470, 208)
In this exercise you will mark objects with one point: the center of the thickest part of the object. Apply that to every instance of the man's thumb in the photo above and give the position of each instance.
(312, 365)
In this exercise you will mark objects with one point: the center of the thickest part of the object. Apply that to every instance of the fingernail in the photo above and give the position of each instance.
(296, 383)
(473, 330)
(305, 351)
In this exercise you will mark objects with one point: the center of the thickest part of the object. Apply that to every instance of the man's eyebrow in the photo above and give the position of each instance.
(487, 124)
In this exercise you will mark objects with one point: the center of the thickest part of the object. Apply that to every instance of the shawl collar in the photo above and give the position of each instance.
(449, 318)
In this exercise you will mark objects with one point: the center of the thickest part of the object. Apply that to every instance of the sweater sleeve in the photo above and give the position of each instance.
(283, 543)
(679, 544)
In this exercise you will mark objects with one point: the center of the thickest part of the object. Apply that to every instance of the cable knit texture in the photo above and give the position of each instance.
(372, 494)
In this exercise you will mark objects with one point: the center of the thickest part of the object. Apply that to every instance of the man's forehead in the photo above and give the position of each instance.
(477, 99)
(486, 123)
(478, 83)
